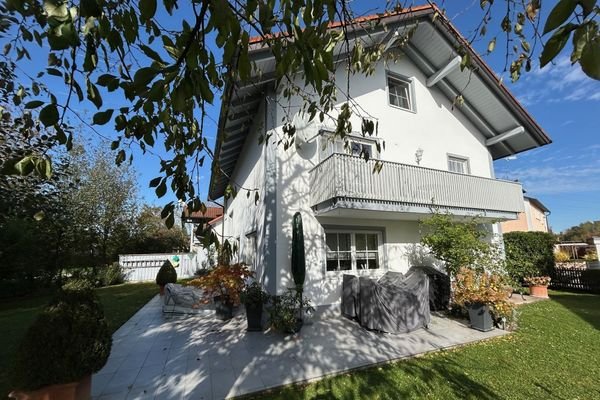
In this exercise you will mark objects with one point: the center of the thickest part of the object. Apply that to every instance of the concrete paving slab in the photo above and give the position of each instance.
(162, 356)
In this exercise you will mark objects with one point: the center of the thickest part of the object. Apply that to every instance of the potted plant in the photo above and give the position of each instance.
(167, 274)
(254, 297)
(484, 296)
(538, 286)
(224, 285)
(284, 311)
(67, 343)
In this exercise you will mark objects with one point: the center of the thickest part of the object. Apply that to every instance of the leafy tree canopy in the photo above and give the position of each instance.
(582, 232)
(168, 60)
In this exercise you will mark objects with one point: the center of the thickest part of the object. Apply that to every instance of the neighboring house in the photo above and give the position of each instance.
(534, 218)
(197, 222)
(357, 221)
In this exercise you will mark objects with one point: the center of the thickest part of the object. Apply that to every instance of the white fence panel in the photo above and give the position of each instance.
(144, 267)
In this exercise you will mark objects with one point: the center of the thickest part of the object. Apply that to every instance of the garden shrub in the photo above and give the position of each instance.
(68, 341)
(528, 254)
(113, 275)
(166, 274)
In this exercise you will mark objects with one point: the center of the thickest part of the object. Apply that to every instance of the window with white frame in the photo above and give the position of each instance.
(348, 251)
(458, 164)
(250, 250)
(400, 93)
(357, 146)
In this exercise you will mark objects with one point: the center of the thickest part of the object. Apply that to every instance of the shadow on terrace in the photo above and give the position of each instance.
(199, 357)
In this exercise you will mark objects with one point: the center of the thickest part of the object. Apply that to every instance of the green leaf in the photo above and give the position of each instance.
(90, 8)
(555, 44)
(147, 9)
(144, 76)
(151, 53)
(587, 5)
(101, 118)
(93, 94)
(34, 104)
(491, 45)
(559, 14)
(38, 216)
(155, 182)
(581, 37)
(590, 59)
(49, 115)
(161, 189)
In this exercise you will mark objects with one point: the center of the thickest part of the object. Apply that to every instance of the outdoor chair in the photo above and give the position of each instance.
(182, 299)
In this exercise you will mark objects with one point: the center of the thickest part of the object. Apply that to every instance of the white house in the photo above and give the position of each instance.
(356, 220)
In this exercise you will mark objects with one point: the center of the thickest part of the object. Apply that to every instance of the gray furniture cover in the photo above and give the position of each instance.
(395, 303)
(350, 300)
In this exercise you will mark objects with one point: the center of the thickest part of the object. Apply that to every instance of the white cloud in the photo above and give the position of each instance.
(557, 82)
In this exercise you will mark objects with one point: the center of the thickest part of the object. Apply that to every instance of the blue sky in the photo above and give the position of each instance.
(565, 175)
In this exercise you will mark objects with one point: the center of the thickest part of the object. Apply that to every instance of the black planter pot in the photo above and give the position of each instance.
(254, 316)
(480, 316)
(223, 309)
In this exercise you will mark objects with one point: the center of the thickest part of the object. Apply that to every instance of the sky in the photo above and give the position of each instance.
(564, 176)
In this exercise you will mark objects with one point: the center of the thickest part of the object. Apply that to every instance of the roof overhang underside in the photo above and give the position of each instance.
(487, 103)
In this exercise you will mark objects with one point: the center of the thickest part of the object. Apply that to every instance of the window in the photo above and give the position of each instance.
(458, 164)
(352, 251)
(399, 92)
(357, 146)
(250, 250)
(339, 252)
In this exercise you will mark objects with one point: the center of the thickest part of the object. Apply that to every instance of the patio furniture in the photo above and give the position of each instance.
(350, 289)
(439, 287)
(395, 303)
(182, 299)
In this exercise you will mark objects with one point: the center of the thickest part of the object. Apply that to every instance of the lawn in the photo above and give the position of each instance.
(554, 355)
(120, 303)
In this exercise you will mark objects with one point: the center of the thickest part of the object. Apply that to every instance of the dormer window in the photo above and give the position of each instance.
(400, 92)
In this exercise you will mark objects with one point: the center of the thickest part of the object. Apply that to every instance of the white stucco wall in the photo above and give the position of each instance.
(435, 128)
(242, 215)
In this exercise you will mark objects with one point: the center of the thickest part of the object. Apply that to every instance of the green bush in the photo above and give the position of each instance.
(67, 342)
(528, 254)
(113, 275)
(166, 274)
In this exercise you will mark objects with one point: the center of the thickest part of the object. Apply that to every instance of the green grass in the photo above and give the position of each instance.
(120, 303)
(554, 355)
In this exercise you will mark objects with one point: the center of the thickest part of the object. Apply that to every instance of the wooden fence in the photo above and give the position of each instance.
(144, 267)
(586, 280)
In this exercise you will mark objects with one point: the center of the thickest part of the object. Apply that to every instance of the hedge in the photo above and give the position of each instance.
(529, 254)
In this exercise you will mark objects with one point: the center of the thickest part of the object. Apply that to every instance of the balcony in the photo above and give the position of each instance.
(345, 182)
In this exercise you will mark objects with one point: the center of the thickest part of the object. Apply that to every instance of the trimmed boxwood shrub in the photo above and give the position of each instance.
(166, 274)
(528, 254)
(67, 342)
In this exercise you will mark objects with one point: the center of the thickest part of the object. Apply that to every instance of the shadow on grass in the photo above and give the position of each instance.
(425, 378)
(585, 306)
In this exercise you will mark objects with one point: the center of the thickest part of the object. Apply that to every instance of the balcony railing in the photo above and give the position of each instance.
(344, 177)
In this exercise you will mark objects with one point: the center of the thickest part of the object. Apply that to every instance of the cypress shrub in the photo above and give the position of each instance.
(166, 274)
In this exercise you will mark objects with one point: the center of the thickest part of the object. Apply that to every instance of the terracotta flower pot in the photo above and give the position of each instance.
(81, 390)
(162, 290)
(539, 291)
